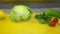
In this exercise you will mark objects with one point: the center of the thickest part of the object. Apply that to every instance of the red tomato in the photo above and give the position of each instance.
(55, 20)
(52, 24)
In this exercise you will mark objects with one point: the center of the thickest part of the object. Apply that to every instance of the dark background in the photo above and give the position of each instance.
(38, 6)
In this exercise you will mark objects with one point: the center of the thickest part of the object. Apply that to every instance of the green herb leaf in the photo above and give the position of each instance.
(42, 21)
(43, 18)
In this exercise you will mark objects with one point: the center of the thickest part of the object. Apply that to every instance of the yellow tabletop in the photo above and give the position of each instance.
(32, 26)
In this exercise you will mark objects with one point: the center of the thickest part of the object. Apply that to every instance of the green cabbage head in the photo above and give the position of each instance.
(20, 13)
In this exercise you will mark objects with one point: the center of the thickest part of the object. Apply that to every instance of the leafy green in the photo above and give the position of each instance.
(42, 21)
(43, 18)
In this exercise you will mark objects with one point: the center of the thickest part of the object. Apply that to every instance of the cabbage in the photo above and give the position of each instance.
(20, 13)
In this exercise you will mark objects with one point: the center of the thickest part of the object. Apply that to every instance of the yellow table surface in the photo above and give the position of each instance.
(32, 26)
